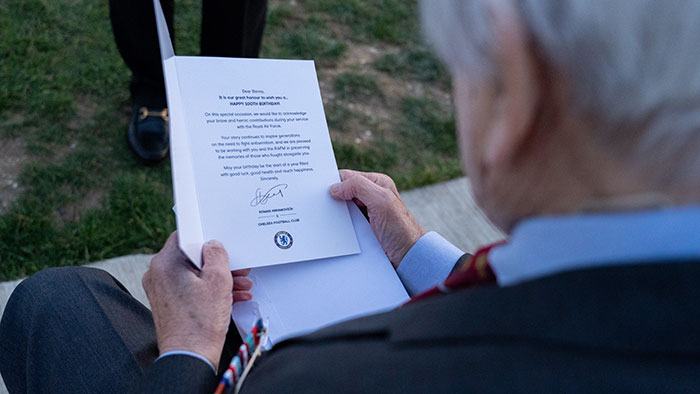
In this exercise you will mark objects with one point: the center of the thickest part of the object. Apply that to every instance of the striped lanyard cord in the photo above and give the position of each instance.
(243, 361)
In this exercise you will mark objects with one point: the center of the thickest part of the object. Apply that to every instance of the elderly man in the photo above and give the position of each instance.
(579, 129)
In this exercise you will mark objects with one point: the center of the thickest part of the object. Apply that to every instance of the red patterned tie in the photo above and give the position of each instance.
(476, 271)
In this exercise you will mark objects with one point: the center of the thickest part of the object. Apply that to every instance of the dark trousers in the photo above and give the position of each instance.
(230, 28)
(78, 330)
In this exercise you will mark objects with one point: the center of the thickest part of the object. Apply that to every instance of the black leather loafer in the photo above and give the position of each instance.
(148, 134)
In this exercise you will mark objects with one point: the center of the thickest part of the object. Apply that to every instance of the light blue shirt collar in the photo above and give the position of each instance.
(549, 245)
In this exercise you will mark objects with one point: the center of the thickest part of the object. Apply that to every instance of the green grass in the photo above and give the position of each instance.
(132, 219)
(338, 116)
(417, 63)
(354, 86)
(392, 21)
(65, 97)
(307, 42)
(428, 125)
(425, 153)
(287, 37)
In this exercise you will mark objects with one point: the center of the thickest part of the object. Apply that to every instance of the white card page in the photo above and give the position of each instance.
(252, 159)
(298, 298)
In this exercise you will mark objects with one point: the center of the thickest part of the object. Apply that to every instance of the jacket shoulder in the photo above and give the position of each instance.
(492, 339)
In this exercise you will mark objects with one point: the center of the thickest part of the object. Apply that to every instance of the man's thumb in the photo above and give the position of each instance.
(349, 188)
(214, 257)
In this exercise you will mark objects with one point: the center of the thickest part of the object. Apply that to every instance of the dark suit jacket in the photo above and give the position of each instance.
(615, 329)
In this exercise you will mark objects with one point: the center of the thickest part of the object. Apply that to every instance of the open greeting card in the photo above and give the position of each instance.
(252, 163)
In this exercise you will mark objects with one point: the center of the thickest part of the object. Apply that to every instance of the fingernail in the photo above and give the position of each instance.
(214, 244)
(335, 188)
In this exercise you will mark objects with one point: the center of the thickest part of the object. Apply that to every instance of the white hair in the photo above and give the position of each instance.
(633, 67)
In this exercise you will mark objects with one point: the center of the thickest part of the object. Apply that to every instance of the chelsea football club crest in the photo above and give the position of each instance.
(283, 240)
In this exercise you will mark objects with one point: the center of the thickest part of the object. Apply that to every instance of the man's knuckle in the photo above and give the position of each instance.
(156, 264)
(387, 194)
(146, 280)
(386, 199)
(156, 258)
(352, 187)
(363, 182)
(386, 181)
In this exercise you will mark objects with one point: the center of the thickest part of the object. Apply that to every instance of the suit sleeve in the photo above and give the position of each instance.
(177, 374)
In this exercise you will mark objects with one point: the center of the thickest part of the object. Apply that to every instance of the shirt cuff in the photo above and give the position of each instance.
(427, 263)
(187, 353)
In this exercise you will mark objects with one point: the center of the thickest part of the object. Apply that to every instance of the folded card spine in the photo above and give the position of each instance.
(188, 217)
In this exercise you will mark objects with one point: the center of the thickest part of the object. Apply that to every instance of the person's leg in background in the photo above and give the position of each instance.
(134, 27)
(232, 28)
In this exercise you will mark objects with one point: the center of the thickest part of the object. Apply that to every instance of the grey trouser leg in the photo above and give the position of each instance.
(74, 330)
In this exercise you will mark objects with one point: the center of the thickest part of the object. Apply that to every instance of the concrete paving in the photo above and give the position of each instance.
(447, 208)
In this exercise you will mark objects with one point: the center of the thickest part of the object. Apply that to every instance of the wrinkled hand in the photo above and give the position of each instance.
(192, 308)
(396, 229)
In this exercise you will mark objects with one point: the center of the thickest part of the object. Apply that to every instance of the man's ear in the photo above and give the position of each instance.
(519, 94)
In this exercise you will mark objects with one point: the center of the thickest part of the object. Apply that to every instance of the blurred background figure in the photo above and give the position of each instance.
(230, 28)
